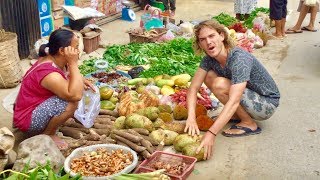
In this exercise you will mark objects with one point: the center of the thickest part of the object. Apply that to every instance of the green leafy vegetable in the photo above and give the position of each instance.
(173, 57)
(249, 22)
(225, 19)
(41, 172)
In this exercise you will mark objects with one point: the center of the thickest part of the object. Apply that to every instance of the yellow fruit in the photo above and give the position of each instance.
(182, 82)
(167, 90)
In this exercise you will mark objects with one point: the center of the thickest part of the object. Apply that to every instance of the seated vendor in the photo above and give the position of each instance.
(48, 96)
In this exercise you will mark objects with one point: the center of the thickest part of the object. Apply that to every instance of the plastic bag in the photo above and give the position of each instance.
(88, 108)
(258, 24)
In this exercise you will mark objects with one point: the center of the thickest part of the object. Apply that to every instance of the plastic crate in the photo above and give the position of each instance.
(169, 158)
(91, 43)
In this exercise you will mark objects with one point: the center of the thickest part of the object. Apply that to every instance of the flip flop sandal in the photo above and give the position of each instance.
(247, 131)
(292, 31)
(307, 29)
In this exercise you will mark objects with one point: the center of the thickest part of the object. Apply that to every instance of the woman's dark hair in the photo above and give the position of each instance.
(58, 39)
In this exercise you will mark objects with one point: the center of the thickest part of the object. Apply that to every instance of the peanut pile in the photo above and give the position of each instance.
(101, 162)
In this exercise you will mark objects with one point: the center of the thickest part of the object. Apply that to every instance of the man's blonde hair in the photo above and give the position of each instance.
(212, 24)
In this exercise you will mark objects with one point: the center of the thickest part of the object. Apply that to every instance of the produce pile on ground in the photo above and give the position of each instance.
(251, 33)
(142, 120)
(172, 58)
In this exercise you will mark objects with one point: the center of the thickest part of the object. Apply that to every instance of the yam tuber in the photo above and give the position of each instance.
(130, 137)
(102, 126)
(112, 118)
(141, 131)
(122, 144)
(108, 112)
(72, 132)
(146, 154)
(129, 143)
(104, 121)
(72, 123)
(102, 131)
(153, 142)
(147, 144)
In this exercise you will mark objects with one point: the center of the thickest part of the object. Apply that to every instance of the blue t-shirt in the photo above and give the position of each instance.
(242, 66)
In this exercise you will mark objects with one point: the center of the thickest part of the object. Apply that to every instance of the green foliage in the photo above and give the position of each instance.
(173, 57)
(87, 67)
(249, 22)
(41, 172)
(225, 19)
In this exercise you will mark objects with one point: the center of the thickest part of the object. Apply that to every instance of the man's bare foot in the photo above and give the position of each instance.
(277, 36)
(61, 144)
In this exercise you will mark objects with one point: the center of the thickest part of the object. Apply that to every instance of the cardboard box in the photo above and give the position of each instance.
(58, 14)
(82, 3)
(56, 4)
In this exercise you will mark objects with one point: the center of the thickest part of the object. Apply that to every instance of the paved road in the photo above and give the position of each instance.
(286, 149)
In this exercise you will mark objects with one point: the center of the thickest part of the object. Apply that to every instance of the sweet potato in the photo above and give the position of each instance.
(108, 112)
(72, 132)
(129, 143)
(130, 137)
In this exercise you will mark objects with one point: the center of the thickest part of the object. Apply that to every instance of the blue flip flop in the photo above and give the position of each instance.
(247, 131)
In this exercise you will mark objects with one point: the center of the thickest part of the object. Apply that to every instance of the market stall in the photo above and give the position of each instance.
(135, 121)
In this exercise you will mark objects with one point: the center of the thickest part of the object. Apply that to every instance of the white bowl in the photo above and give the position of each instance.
(79, 152)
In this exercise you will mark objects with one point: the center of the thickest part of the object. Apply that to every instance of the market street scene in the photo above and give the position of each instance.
(159, 89)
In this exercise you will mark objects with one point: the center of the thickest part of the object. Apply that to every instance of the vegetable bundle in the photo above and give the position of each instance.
(174, 57)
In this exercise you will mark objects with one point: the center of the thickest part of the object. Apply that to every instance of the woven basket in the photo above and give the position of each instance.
(10, 69)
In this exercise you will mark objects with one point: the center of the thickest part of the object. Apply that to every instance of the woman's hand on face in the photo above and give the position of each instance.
(192, 127)
(71, 54)
(207, 143)
(88, 85)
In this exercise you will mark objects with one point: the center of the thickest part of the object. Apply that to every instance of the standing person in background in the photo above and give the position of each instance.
(304, 9)
(243, 8)
(278, 12)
